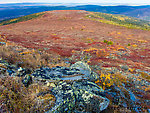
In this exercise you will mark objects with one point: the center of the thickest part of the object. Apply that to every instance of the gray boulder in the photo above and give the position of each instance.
(78, 96)
(74, 88)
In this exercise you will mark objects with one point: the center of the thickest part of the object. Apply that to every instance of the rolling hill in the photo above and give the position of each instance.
(143, 13)
(70, 30)
(8, 11)
(113, 47)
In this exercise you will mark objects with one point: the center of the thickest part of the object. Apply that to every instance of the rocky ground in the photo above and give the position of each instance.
(73, 64)
(77, 88)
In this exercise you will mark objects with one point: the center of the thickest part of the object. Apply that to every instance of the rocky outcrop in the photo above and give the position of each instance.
(78, 71)
(79, 96)
(73, 87)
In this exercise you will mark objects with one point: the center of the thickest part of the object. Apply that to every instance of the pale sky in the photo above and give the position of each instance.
(80, 1)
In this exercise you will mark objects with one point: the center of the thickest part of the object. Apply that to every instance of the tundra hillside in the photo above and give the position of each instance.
(112, 48)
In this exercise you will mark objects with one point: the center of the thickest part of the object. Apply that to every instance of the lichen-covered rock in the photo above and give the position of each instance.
(90, 97)
(93, 77)
(13, 70)
(79, 96)
(77, 71)
(65, 98)
(27, 80)
(2, 70)
(83, 67)
(85, 70)
(72, 87)
(57, 73)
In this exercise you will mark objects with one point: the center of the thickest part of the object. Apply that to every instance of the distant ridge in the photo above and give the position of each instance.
(114, 19)
(11, 10)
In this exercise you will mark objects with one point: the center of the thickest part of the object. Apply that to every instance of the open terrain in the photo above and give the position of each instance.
(65, 31)
(118, 53)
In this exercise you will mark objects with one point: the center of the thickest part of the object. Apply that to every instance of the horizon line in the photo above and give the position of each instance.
(94, 3)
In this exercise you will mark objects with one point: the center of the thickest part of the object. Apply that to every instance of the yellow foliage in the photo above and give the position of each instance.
(83, 26)
(90, 39)
(131, 70)
(134, 45)
(115, 22)
(142, 41)
(73, 51)
(91, 49)
(88, 61)
(26, 52)
(105, 79)
(147, 89)
(121, 18)
(47, 96)
(97, 81)
(119, 33)
(145, 76)
(12, 20)
(120, 48)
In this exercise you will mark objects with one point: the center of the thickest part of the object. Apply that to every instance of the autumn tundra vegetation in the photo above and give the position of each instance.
(115, 47)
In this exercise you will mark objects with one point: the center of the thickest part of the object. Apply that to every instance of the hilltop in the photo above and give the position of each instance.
(66, 31)
(113, 47)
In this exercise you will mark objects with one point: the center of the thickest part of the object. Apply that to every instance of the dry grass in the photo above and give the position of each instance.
(15, 97)
(29, 58)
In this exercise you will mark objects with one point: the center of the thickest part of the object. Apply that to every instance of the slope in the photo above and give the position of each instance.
(119, 55)
(121, 20)
(70, 30)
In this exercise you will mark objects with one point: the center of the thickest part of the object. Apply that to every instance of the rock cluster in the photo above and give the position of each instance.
(73, 87)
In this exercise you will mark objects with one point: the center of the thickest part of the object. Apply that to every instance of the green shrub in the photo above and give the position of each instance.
(105, 41)
(20, 19)
(110, 43)
(120, 20)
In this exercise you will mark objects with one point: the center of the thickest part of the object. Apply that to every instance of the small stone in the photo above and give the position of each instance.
(51, 84)
(20, 69)
(2, 43)
(48, 84)
(27, 80)
(125, 68)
